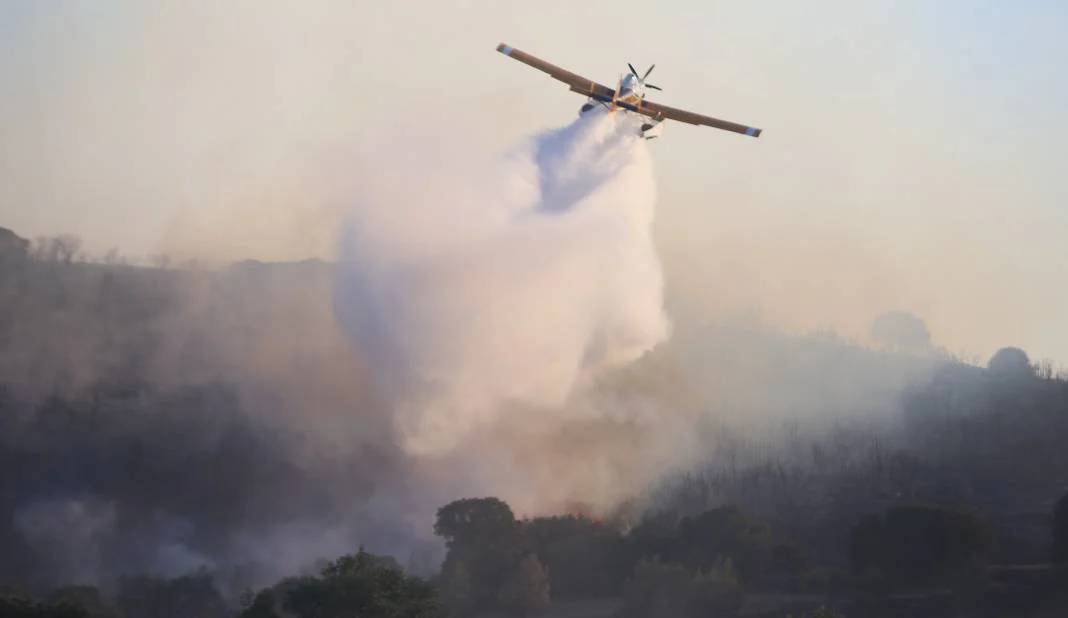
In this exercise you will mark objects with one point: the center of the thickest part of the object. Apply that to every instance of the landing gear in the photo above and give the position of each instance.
(652, 130)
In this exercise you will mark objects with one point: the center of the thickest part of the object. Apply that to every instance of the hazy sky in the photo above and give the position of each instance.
(913, 155)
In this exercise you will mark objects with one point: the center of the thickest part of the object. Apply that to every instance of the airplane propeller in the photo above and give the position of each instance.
(641, 78)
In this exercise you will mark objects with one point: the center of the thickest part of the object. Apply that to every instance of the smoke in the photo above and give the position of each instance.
(505, 284)
(496, 326)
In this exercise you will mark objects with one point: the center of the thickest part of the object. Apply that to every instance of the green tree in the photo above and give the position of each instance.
(361, 585)
(484, 540)
(527, 589)
(265, 604)
(473, 521)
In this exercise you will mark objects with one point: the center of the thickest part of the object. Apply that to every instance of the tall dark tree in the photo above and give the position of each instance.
(484, 542)
(473, 521)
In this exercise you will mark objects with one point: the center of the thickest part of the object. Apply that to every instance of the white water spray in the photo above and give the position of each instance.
(468, 290)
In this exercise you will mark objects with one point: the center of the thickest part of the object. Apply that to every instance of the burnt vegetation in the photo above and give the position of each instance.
(124, 484)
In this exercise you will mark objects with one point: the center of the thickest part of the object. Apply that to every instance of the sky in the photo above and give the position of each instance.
(912, 156)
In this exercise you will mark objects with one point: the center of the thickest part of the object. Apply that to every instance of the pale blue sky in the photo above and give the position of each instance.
(913, 155)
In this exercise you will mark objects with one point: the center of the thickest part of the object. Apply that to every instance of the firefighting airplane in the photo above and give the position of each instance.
(629, 95)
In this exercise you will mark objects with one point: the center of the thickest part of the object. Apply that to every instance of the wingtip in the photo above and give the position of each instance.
(753, 132)
(504, 49)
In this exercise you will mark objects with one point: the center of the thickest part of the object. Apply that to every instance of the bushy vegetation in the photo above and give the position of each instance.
(666, 590)
(18, 606)
(361, 585)
(932, 504)
(919, 545)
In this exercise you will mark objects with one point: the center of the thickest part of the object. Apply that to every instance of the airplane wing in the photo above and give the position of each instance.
(655, 110)
(577, 83)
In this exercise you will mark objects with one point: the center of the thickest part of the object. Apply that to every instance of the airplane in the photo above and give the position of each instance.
(629, 95)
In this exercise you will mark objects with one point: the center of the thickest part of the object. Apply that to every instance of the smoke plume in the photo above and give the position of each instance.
(477, 338)
(507, 283)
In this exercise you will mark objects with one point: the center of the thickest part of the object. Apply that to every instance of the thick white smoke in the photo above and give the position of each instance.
(469, 286)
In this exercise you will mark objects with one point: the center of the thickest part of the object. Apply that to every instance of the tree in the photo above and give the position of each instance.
(706, 540)
(265, 604)
(527, 590)
(470, 521)
(1060, 531)
(361, 585)
(456, 588)
(1010, 363)
(63, 249)
(483, 538)
(584, 557)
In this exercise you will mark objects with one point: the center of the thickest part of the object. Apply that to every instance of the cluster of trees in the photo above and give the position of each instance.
(919, 545)
(361, 585)
(20, 606)
(666, 565)
(968, 475)
(699, 565)
(186, 596)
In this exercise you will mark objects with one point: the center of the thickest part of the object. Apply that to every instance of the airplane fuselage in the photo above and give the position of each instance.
(630, 91)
